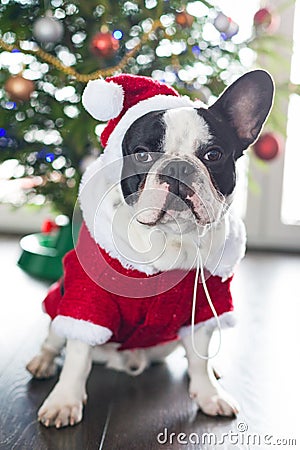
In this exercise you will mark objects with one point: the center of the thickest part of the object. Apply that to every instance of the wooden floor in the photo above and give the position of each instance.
(259, 361)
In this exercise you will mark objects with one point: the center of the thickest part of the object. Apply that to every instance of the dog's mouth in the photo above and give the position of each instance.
(165, 207)
(174, 208)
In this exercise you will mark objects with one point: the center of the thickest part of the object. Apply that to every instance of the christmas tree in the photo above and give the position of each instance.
(49, 50)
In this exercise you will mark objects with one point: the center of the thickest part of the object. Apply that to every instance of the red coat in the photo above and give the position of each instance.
(149, 312)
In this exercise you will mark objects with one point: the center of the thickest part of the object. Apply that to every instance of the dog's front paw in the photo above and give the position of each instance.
(42, 366)
(215, 403)
(62, 409)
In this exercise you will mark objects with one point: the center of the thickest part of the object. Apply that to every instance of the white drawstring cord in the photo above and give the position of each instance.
(200, 268)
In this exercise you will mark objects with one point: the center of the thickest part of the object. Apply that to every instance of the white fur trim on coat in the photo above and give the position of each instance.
(88, 332)
(227, 320)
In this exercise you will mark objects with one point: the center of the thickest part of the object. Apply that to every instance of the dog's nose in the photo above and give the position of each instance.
(178, 175)
(179, 169)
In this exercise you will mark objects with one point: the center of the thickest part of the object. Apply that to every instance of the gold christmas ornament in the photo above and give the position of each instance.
(19, 89)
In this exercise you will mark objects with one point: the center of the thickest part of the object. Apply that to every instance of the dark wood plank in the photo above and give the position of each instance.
(259, 361)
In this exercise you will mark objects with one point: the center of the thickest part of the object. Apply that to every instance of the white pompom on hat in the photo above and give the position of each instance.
(103, 100)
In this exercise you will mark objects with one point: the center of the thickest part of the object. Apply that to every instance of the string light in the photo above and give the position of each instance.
(49, 157)
(118, 34)
(10, 105)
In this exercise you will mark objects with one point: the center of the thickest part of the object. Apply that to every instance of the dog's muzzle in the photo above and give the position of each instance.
(178, 175)
(178, 189)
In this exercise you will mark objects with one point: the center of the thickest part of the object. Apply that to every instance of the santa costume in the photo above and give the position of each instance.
(102, 297)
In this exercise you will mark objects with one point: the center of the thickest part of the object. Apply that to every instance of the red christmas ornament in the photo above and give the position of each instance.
(104, 45)
(267, 147)
(184, 19)
(48, 226)
(266, 20)
(262, 16)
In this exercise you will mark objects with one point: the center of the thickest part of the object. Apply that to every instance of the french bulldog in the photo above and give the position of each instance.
(160, 194)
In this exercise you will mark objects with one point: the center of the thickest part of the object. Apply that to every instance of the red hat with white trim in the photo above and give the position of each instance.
(122, 99)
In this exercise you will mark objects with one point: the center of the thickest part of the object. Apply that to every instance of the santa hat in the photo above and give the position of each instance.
(122, 99)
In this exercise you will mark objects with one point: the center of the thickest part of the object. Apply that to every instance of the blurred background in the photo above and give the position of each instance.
(50, 49)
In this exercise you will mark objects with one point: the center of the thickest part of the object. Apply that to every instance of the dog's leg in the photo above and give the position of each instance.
(43, 364)
(64, 404)
(204, 388)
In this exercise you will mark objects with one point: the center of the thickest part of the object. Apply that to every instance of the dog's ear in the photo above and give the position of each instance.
(246, 105)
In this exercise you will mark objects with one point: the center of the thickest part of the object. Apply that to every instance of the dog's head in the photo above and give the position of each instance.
(179, 163)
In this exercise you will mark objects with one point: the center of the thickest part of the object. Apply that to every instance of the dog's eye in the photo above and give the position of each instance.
(143, 157)
(214, 154)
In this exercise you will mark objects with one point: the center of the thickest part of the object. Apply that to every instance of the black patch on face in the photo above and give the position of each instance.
(222, 171)
(146, 134)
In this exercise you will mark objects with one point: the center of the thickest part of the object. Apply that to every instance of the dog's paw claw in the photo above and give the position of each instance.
(58, 424)
(60, 414)
(218, 404)
(42, 366)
